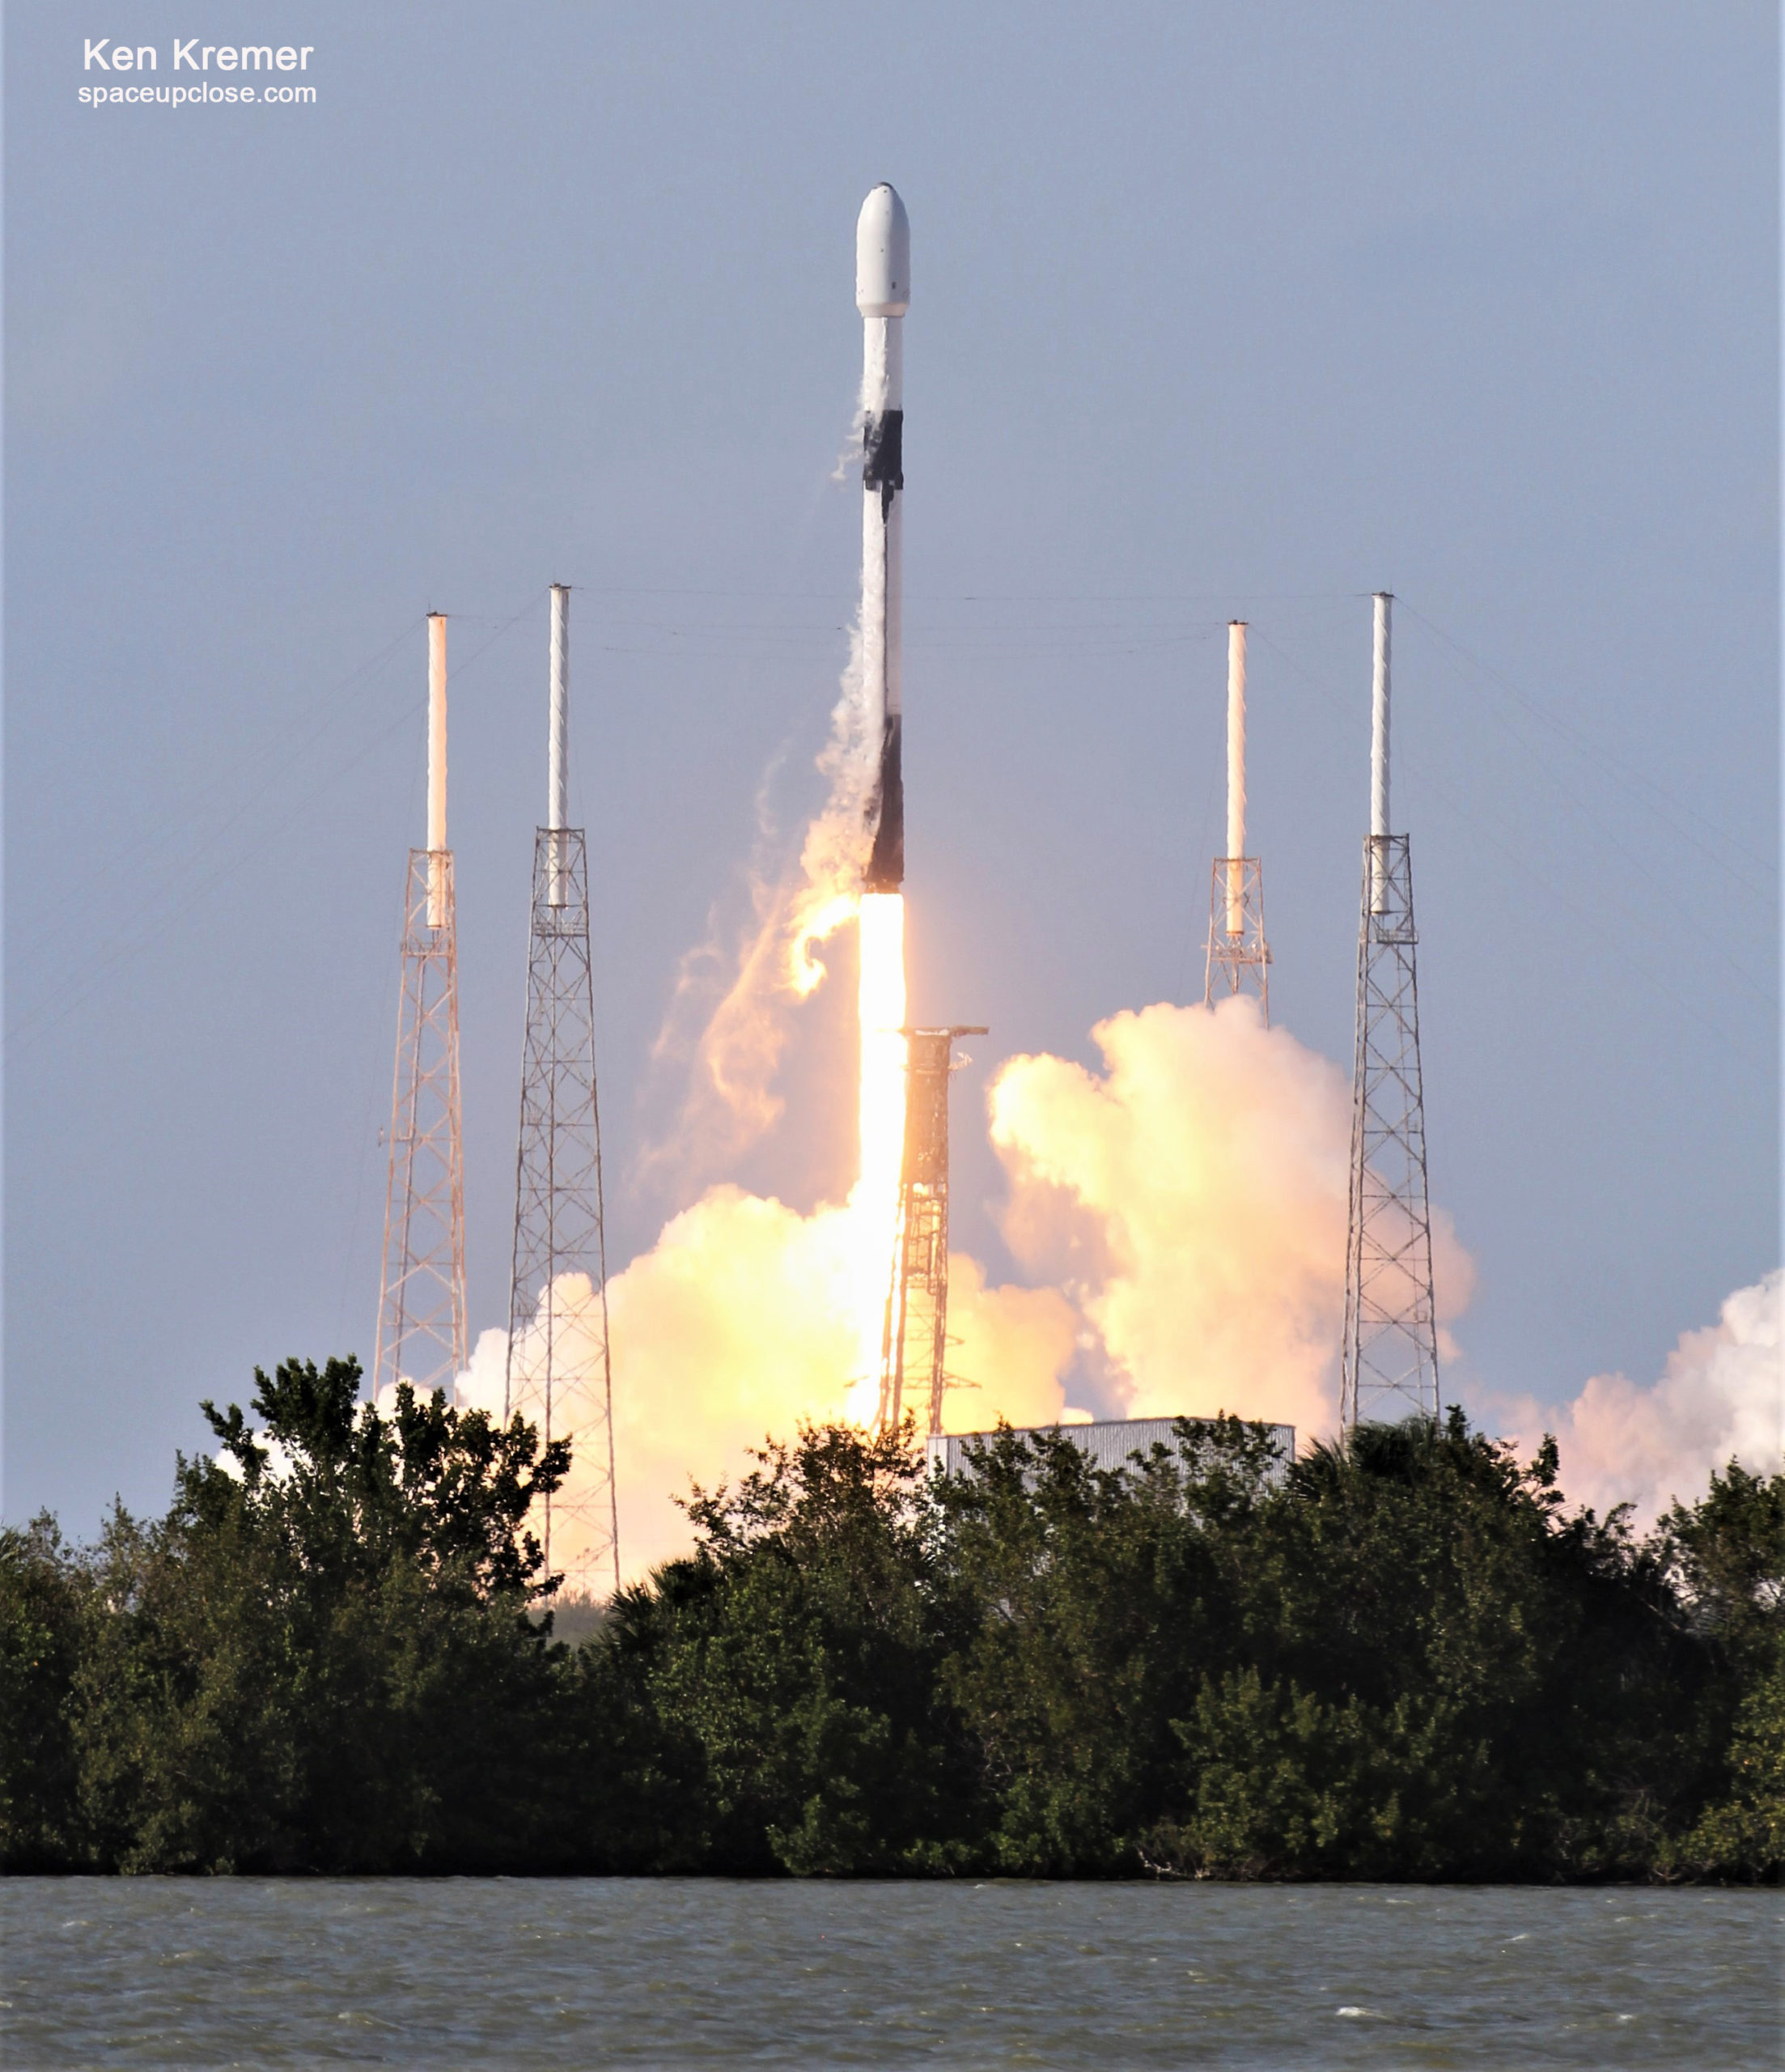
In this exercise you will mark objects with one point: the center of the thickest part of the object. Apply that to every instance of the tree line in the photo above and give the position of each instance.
(1402, 1656)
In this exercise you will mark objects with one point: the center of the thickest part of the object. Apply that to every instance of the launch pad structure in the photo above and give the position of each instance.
(558, 1375)
(421, 1335)
(913, 1346)
(558, 1367)
(1389, 1365)
(1238, 960)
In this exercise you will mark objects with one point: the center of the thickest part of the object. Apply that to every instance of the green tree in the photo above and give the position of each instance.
(43, 1619)
(1442, 1674)
(1399, 1656)
(1086, 1602)
(321, 1658)
(1726, 1555)
(789, 1665)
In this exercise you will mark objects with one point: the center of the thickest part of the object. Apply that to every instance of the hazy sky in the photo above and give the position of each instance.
(1217, 309)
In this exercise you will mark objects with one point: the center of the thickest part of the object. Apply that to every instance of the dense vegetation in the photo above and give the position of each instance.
(1403, 1658)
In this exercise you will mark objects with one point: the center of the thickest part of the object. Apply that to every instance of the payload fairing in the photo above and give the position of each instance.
(882, 294)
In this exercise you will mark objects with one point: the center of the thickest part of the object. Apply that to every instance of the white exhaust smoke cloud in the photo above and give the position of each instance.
(742, 1320)
(1183, 1213)
(1192, 1201)
(775, 961)
(1721, 1397)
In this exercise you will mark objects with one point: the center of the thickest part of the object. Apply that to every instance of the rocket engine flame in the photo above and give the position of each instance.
(876, 1200)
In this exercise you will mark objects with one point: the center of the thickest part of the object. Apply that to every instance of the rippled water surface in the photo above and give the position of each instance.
(153, 1972)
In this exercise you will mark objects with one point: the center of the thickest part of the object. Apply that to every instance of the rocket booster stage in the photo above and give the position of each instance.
(882, 294)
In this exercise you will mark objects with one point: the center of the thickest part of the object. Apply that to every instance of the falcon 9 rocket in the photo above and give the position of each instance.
(882, 294)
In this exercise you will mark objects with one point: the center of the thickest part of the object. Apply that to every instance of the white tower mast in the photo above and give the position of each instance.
(1238, 961)
(1389, 1361)
(559, 1374)
(421, 1325)
(557, 746)
(1236, 775)
(1379, 745)
(437, 767)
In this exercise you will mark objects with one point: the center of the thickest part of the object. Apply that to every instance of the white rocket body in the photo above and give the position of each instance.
(882, 294)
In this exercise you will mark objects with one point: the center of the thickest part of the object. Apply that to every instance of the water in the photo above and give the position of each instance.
(153, 1972)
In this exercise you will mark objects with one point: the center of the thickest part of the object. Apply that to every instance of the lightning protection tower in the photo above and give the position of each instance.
(1238, 960)
(422, 1301)
(558, 1375)
(1390, 1360)
(914, 1343)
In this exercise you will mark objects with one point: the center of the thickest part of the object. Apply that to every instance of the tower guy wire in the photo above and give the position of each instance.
(559, 1373)
(1238, 960)
(913, 1346)
(422, 1326)
(1389, 1362)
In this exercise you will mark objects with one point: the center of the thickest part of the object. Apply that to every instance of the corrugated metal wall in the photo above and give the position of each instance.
(1109, 1444)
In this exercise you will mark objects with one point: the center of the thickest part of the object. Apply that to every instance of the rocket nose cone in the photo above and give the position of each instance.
(883, 255)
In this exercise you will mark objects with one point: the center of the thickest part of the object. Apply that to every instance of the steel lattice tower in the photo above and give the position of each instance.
(1390, 1359)
(1239, 962)
(558, 1375)
(421, 1335)
(914, 1342)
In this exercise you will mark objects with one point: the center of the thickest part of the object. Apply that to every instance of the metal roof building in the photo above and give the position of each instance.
(1109, 1444)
